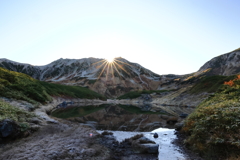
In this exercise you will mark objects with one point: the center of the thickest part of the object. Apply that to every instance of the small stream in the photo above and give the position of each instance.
(125, 121)
(167, 150)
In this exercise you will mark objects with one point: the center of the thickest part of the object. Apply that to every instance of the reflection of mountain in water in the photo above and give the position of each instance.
(120, 117)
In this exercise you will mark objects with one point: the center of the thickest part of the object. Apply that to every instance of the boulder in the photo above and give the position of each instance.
(34, 127)
(144, 140)
(35, 120)
(155, 135)
(150, 148)
(144, 145)
(178, 126)
(8, 128)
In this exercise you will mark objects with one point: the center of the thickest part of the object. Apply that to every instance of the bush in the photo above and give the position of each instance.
(214, 126)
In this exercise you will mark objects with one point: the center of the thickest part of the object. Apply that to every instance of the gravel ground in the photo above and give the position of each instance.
(62, 141)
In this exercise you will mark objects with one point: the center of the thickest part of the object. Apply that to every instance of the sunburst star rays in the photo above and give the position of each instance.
(112, 67)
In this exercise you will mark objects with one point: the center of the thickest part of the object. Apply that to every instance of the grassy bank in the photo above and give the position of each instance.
(21, 86)
(136, 94)
(21, 117)
(214, 127)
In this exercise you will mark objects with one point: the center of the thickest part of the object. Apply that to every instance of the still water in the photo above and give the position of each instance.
(123, 117)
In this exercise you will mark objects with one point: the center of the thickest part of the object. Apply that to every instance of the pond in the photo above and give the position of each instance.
(145, 117)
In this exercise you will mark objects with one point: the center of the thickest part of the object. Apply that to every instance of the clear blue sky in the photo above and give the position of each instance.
(165, 36)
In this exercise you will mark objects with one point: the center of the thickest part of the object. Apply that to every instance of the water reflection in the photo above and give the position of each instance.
(144, 117)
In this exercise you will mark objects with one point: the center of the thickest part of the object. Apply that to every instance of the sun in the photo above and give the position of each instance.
(110, 59)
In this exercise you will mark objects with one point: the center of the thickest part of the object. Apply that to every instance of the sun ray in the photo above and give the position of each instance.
(99, 62)
(112, 67)
(102, 64)
(112, 70)
(117, 70)
(125, 63)
(102, 70)
(108, 65)
(122, 68)
(118, 73)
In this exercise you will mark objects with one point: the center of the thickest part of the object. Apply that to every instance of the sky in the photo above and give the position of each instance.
(165, 36)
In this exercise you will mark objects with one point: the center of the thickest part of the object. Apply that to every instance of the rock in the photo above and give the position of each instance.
(178, 126)
(155, 135)
(144, 145)
(107, 133)
(144, 140)
(165, 117)
(35, 120)
(172, 120)
(8, 128)
(89, 152)
(42, 115)
(34, 127)
(151, 148)
(89, 125)
(183, 115)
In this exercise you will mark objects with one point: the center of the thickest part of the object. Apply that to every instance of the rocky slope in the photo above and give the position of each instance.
(226, 64)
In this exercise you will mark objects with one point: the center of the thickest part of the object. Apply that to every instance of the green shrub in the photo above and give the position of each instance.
(214, 127)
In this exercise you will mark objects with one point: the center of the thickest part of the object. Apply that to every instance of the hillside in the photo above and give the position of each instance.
(226, 64)
(21, 86)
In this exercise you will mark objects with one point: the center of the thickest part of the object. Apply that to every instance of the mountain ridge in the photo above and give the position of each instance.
(122, 76)
(97, 74)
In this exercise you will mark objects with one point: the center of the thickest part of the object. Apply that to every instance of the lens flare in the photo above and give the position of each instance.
(110, 59)
(111, 67)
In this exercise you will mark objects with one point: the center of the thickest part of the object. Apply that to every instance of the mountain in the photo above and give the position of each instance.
(226, 64)
(109, 79)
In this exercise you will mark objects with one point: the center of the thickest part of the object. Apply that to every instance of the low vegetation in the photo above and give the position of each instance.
(214, 127)
(21, 86)
(21, 117)
(13, 113)
(136, 94)
(210, 84)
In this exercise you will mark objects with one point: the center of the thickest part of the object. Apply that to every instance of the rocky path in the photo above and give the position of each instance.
(56, 142)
